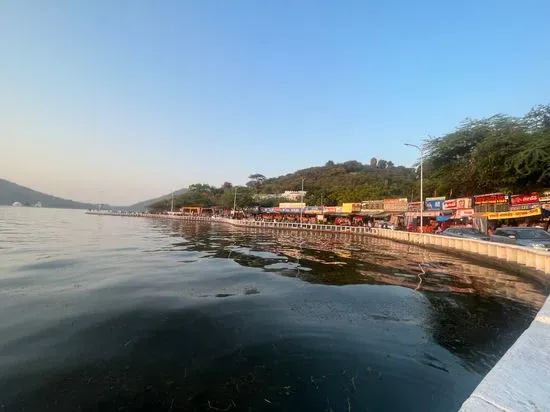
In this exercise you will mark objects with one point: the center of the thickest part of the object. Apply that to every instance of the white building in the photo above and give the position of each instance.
(263, 196)
(293, 195)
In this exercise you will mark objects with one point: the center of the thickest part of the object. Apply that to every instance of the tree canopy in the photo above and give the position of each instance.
(331, 184)
(499, 153)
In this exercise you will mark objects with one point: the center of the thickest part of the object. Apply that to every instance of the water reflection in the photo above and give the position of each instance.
(342, 259)
(136, 314)
(477, 311)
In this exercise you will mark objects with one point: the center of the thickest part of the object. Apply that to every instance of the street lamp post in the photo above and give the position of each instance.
(172, 203)
(421, 150)
(235, 203)
(301, 201)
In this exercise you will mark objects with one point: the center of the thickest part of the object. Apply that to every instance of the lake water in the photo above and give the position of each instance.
(122, 314)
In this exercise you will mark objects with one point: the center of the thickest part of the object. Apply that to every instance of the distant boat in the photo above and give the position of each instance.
(38, 204)
(16, 204)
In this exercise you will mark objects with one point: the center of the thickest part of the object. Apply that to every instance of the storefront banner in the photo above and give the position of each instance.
(427, 213)
(434, 203)
(366, 212)
(351, 207)
(269, 210)
(461, 213)
(460, 203)
(545, 197)
(490, 198)
(514, 214)
(525, 199)
(293, 205)
(290, 210)
(396, 205)
(546, 206)
(314, 210)
(413, 206)
(372, 205)
(524, 207)
(332, 209)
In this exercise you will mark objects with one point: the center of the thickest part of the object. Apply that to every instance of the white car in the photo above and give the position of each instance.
(385, 225)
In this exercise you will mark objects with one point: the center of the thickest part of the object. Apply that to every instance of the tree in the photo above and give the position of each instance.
(500, 153)
(352, 166)
(538, 119)
(373, 162)
(201, 188)
(330, 163)
(256, 180)
(225, 201)
(244, 197)
(257, 177)
(382, 164)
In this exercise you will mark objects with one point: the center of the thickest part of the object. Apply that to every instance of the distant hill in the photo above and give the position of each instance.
(11, 192)
(351, 181)
(329, 185)
(142, 206)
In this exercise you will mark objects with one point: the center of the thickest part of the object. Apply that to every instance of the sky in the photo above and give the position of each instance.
(120, 101)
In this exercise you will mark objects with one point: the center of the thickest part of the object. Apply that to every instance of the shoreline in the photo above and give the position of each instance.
(533, 262)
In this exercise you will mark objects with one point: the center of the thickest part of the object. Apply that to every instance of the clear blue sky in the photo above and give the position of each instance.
(117, 101)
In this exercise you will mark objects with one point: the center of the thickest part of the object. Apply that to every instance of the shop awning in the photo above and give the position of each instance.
(514, 214)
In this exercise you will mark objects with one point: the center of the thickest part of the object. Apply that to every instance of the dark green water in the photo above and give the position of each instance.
(123, 314)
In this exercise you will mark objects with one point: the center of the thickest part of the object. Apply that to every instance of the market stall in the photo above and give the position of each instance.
(461, 209)
(433, 215)
(396, 209)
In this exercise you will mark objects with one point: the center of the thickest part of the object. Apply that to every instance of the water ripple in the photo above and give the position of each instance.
(107, 313)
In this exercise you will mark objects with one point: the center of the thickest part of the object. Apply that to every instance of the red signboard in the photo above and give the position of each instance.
(491, 198)
(525, 199)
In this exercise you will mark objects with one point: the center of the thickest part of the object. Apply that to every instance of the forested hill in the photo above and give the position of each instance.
(11, 192)
(351, 181)
(331, 184)
(499, 153)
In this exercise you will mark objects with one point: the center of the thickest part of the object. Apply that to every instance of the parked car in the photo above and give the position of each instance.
(465, 232)
(385, 225)
(523, 236)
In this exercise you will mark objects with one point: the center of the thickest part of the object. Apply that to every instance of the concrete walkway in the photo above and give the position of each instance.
(520, 381)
